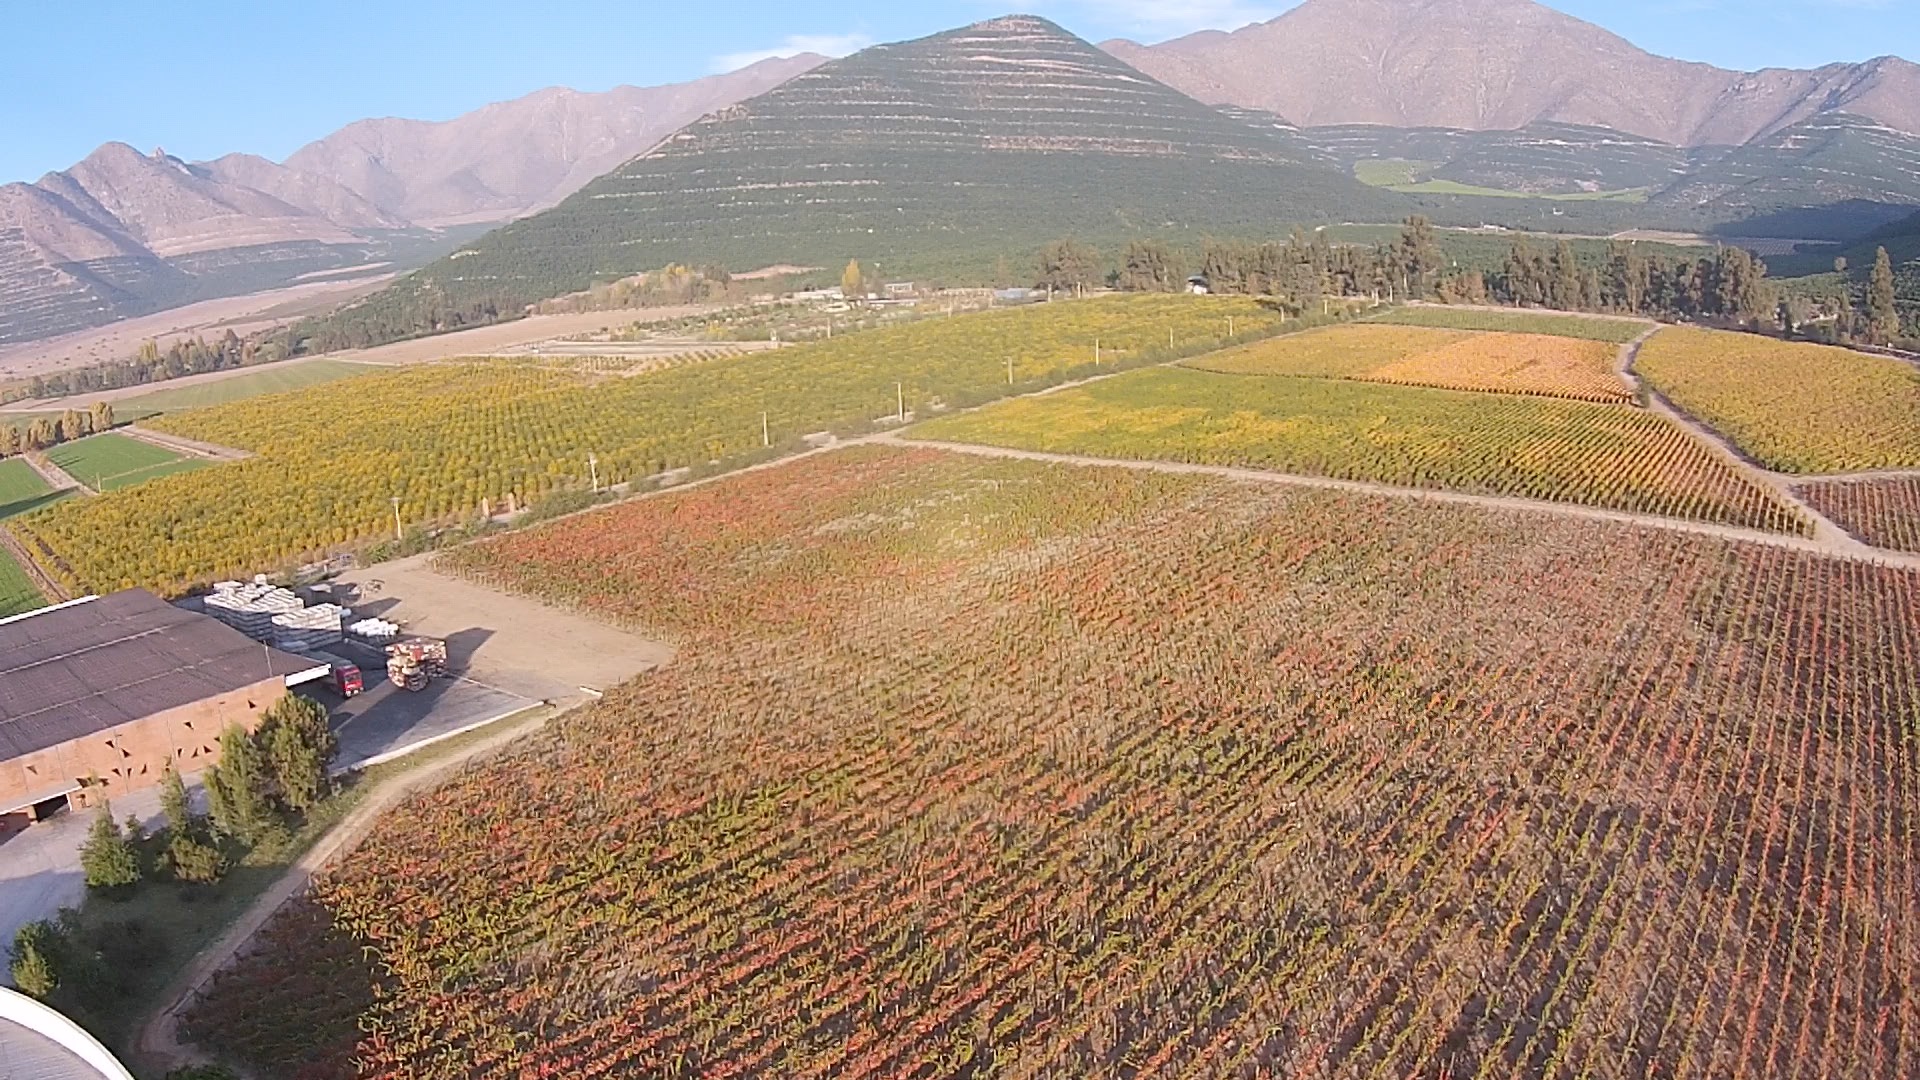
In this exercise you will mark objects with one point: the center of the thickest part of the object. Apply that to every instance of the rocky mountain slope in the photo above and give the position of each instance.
(1504, 64)
(509, 158)
(971, 144)
(124, 233)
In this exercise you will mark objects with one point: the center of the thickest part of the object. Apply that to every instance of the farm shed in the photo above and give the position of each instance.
(97, 695)
(37, 1043)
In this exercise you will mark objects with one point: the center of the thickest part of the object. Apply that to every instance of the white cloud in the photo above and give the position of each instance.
(1158, 19)
(794, 45)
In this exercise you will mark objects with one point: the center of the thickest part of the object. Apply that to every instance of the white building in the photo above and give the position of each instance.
(37, 1043)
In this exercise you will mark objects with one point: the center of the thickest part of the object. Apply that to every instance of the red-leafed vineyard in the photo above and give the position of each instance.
(986, 768)
(1884, 512)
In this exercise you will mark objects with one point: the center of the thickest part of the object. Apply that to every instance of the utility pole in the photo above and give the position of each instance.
(593, 470)
(1096, 352)
(397, 534)
(900, 397)
(1229, 326)
(765, 439)
(1009, 371)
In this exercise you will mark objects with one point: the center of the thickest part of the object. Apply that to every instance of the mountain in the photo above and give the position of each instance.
(509, 158)
(124, 233)
(951, 149)
(1504, 64)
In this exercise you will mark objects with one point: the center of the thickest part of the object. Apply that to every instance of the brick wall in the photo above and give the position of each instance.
(134, 756)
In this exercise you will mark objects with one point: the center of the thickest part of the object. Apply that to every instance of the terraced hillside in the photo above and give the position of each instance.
(1868, 170)
(1548, 159)
(975, 142)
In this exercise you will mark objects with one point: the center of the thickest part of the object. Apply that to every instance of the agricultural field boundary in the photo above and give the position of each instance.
(158, 1042)
(189, 447)
(1826, 532)
(50, 590)
(56, 477)
(1852, 549)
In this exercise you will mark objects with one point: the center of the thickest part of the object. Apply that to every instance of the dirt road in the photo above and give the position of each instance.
(1832, 539)
(189, 447)
(158, 1044)
(1490, 502)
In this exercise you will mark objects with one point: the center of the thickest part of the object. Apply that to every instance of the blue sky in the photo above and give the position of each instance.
(205, 77)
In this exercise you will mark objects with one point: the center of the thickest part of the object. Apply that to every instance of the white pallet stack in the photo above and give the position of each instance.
(375, 631)
(251, 607)
(311, 628)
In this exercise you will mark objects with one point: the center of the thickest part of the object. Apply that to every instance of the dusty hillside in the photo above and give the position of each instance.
(1501, 64)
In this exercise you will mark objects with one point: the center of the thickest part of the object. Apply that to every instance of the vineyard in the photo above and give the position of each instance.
(1535, 364)
(1795, 408)
(1094, 772)
(1613, 331)
(448, 439)
(1536, 448)
(1884, 512)
(1334, 352)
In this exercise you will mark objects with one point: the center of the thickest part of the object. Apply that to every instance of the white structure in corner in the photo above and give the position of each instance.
(37, 1043)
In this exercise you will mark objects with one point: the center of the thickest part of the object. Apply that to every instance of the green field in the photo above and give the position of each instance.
(1402, 175)
(110, 462)
(17, 591)
(1482, 444)
(21, 489)
(272, 379)
(1617, 331)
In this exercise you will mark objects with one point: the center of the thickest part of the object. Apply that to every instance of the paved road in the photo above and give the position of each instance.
(385, 720)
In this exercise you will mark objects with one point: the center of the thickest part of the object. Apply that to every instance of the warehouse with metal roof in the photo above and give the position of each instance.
(37, 1043)
(98, 695)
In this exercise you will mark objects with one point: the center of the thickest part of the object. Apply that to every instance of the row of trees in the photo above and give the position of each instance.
(265, 781)
(1728, 286)
(194, 356)
(52, 430)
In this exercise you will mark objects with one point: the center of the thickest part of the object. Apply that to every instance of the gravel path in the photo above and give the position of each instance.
(158, 1044)
(189, 447)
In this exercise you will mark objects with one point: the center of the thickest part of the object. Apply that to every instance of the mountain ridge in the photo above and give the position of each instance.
(1398, 63)
(124, 233)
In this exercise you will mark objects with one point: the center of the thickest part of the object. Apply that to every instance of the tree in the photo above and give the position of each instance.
(102, 415)
(34, 968)
(299, 748)
(1148, 267)
(236, 788)
(108, 859)
(1883, 315)
(1419, 257)
(850, 279)
(1067, 264)
(192, 861)
(174, 804)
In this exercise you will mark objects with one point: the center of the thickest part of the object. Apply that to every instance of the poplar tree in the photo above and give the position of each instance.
(1883, 316)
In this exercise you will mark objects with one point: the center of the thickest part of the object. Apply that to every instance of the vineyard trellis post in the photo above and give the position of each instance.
(900, 401)
(593, 471)
(398, 533)
(1009, 371)
(765, 438)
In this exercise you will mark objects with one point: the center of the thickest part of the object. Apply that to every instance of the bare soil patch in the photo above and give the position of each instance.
(511, 642)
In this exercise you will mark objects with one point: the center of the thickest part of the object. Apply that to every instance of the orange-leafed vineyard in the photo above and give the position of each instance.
(986, 768)
(1883, 511)
(1515, 364)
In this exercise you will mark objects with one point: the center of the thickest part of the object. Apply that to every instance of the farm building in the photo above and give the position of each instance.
(37, 1043)
(97, 695)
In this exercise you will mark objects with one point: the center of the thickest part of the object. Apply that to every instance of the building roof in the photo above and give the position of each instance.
(76, 669)
(37, 1043)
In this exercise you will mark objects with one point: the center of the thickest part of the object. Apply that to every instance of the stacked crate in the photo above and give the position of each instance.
(251, 607)
(307, 629)
(375, 631)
